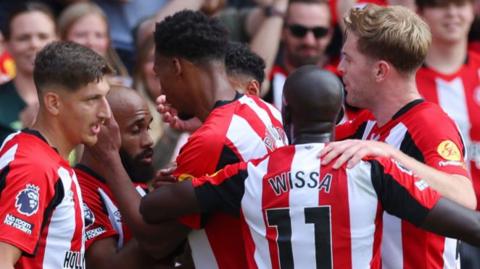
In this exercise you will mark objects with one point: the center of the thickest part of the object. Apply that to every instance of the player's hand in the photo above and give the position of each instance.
(352, 151)
(169, 115)
(108, 141)
(164, 176)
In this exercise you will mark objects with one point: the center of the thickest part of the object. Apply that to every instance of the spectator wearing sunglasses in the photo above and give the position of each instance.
(306, 34)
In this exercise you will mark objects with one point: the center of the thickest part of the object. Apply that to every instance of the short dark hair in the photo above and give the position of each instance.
(421, 4)
(191, 35)
(24, 7)
(241, 60)
(68, 65)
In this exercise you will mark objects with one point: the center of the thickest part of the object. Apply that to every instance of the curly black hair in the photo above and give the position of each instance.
(191, 35)
(241, 60)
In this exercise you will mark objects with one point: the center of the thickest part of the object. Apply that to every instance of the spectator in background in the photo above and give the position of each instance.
(86, 24)
(123, 17)
(306, 34)
(450, 78)
(29, 27)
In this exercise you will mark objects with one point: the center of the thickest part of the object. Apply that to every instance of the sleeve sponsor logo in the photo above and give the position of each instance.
(92, 233)
(421, 184)
(402, 167)
(452, 163)
(449, 151)
(18, 223)
(27, 200)
(89, 216)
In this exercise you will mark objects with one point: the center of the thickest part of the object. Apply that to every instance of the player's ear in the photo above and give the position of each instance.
(52, 102)
(177, 66)
(381, 69)
(253, 87)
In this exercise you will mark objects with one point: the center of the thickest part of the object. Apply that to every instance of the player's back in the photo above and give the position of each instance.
(239, 130)
(305, 215)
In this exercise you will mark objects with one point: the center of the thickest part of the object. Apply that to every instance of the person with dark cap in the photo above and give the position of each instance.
(301, 214)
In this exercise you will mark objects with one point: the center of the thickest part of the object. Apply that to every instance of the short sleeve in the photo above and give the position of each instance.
(27, 198)
(400, 192)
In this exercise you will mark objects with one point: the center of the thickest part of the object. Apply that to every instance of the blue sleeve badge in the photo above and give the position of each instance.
(28, 200)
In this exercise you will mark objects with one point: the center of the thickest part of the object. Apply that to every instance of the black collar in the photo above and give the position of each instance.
(407, 107)
(89, 171)
(220, 103)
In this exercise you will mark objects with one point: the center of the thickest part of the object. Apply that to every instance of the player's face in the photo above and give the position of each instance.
(449, 24)
(136, 151)
(305, 47)
(30, 32)
(173, 86)
(84, 111)
(90, 31)
(356, 72)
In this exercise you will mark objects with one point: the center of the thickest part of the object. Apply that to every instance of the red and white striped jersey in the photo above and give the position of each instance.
(299, 214)
(415, 131)
(41, 212)
(244, 129)
(459, 96)
(102, 216)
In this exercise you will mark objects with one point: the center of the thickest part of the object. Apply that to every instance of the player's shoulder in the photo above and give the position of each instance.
(30, 155)
(426, 114)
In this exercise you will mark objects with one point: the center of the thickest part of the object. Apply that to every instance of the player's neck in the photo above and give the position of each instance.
(54, 135)
(395, 94)
(90, 162)
(446, 58)
(312, 132)
(306, 138)
(216, 87)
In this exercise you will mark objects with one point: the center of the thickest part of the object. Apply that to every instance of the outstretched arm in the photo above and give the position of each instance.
(221, 191)
(453, 220)
(169, 202)
(456, 187)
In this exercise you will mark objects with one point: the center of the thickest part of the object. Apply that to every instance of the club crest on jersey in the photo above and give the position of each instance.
(449, 151)
(89, 216)
(27, 200)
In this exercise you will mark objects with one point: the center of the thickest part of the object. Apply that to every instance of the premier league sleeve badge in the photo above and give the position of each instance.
(28, 200)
